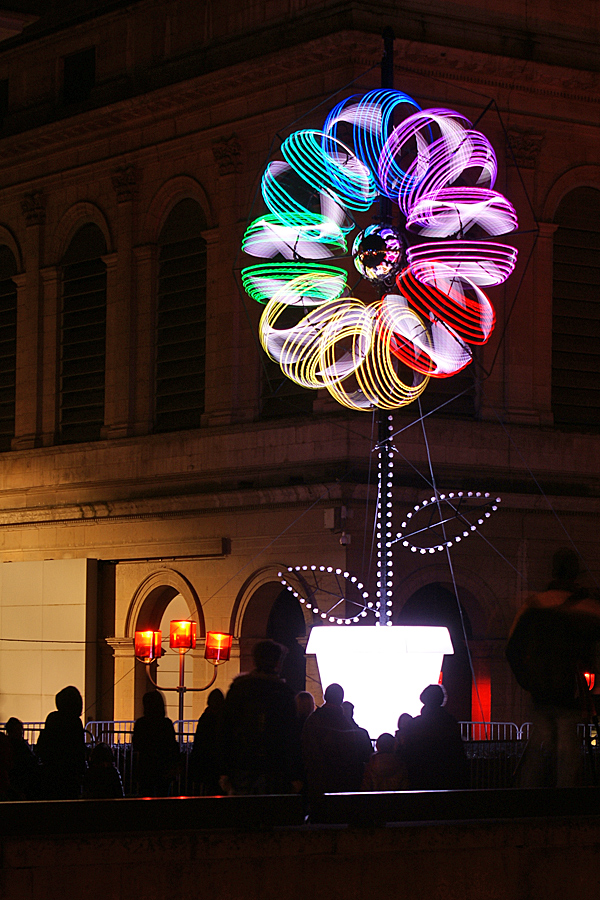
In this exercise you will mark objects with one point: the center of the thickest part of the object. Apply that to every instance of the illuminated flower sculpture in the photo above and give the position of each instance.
(431, 279)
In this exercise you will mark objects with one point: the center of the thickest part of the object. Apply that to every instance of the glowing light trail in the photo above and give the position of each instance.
(441, 173)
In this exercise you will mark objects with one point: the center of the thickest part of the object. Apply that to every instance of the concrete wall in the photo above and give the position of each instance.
(513, 859)
(47, 614)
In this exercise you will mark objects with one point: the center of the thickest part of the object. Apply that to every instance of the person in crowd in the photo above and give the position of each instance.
(402, 741)
(434, 750)
(61, 747)
(25, 773)
(155, 746)
(305, 705)
(102, 780)
(331, 747)
(7, 791)
(384, 770)
(553, 641)
(365, 745)
(260, 745)
(205, 765)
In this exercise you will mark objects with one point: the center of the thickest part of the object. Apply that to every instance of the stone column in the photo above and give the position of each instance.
(512, 385)
(124, 698)
(30, 368)
(116, 367)
(50, 277)
(146, 273)
(543, 275)
(222, 338)
(120, 313)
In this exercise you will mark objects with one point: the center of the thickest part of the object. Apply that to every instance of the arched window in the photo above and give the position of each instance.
(181, 319)
(8, 346)
(576, 311)
(83, 337)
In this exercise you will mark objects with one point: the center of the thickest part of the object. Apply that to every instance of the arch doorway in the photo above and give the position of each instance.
(162, 597)
(273, 612)
(435, 604)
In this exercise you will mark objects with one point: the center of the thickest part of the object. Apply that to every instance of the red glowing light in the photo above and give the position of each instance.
(218, 647)
(591, 679)
(182, 635)
(148, 645)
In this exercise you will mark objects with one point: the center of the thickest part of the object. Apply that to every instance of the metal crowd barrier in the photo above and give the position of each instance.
(493, 749)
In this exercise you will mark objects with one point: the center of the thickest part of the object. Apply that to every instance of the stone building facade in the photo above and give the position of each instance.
(153, 466)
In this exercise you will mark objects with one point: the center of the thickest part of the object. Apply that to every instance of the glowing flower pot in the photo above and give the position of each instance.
(147, 645)
(218, 647)
(382, 670)
(182, 635)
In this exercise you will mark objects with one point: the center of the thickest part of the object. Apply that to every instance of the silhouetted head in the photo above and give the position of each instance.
(385, 743)
(102, 755)
(404, 721)
(14, 728)
(69, 701)
(433, 696)
(348, 709)
(305, 704)
(154, 704)
(216, 699)
(565, 567)
(267, 655)
(334, 694)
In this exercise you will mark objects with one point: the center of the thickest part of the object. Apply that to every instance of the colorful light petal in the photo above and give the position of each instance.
(441, 172)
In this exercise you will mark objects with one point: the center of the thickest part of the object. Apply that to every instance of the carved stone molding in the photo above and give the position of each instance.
(228, 155)
(34, 207)
(125, 182)
(121, 646)
(524, 148)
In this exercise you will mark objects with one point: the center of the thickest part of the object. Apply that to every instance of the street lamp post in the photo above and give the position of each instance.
(182, 637)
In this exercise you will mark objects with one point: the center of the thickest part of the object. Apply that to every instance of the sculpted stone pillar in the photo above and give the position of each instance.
(543, 262)
(146, 269)
(124, 699)
(514, 384)
(30, 368)
(116, 366)
(50, 278)
(120, 312)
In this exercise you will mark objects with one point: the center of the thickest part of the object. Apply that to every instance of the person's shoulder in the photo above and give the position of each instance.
(240, 683)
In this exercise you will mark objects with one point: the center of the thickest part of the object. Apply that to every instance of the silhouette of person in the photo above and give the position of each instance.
(61, 747)
(402, 741)
(434, 748)
(384, 770)
(552, 642)
(365, 745)
(7, 791)
(331, 747)
(25, 773)
(305, 705)
(156, 747)
(260, 746)
(102, 780)
(205, 765)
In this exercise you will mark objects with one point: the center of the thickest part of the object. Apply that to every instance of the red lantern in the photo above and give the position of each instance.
(147, 645)
(182, 635)
(591, 679)
(218, 647)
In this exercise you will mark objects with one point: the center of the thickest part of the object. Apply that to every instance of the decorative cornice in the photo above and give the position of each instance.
(227, 152)
(351, 48)
(34, 207)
